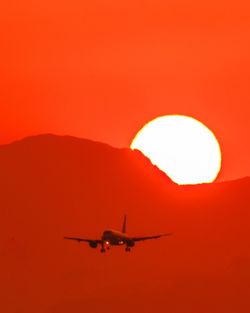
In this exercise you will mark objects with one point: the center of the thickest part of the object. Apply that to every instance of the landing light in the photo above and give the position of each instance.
(121, 242)
(107, 242)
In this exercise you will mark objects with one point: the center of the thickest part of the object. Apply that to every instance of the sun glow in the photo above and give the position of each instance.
(184, 148)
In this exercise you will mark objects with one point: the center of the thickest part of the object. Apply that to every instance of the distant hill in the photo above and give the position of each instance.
(52, 186)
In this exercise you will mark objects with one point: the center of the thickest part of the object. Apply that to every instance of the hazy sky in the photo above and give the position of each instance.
(101, 69)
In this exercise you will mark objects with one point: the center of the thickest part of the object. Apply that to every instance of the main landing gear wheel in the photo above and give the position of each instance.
(127, 249)
(103, 250)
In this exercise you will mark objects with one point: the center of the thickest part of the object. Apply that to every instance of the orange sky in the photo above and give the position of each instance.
(101, 69)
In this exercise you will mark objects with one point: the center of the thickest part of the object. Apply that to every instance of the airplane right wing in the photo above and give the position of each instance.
(84, 240)
(150, 237)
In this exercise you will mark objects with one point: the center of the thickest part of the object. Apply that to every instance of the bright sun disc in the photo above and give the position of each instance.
(185, 149)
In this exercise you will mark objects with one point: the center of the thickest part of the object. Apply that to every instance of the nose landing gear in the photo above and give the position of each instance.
(127, 249)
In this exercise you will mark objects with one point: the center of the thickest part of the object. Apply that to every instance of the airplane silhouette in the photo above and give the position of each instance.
(115, 238)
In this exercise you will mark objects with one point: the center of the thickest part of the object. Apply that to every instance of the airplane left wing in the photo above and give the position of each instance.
(150, 237)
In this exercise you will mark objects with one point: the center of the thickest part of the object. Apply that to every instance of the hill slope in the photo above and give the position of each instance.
(54, 186)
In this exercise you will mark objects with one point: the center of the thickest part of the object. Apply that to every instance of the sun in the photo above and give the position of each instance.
(181, 146)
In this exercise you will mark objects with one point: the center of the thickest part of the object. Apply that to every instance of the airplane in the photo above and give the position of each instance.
(115, 238)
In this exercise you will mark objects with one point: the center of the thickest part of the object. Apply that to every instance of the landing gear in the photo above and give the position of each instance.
(102, 248)
(127, 249)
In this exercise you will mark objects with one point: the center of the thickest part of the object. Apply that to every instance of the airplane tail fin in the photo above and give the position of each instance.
(124, 225)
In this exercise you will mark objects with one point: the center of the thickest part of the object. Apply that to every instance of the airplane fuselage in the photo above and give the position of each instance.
(114, 238)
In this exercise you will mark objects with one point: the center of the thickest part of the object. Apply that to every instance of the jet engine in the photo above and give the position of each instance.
(93, 244)
(130, 243)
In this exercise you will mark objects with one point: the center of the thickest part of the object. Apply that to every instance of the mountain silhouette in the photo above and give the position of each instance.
(54, 186)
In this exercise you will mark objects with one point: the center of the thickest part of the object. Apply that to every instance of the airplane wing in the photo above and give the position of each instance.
(150, 237)
(83, 239)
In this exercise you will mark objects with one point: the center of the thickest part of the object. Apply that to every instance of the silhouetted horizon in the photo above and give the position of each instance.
(79, 139)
